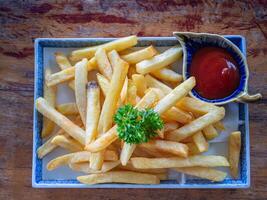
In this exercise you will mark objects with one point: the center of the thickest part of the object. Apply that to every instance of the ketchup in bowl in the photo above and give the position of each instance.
(216, 72)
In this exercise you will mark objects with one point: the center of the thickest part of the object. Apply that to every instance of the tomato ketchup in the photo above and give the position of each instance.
(216, 72)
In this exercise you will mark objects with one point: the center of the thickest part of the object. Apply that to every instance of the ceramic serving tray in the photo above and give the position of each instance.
(236, 119)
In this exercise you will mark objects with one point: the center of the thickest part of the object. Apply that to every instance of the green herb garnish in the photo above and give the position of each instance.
(137, 126)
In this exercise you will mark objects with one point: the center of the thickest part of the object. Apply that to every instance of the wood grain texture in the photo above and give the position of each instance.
(22, 21)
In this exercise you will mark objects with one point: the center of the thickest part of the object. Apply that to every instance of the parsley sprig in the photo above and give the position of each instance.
(137, 126)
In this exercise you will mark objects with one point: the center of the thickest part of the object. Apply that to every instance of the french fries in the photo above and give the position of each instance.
(174, 148)
(67, 109)
(80, 88)
(119, 177)
(104, 65)
(118, 45)
(96, 138)
(166, 74)
(68, 126)
(140, 83)
(234, 152)
(67, 143)
(196, 125)
(201, 161)
(93, 112)
(203, 172)
(159, 61)
(50, 96)
(138, 56)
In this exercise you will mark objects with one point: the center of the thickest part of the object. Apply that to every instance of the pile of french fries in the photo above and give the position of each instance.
(144, 79)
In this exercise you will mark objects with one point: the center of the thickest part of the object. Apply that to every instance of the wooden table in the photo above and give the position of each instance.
(23, 21)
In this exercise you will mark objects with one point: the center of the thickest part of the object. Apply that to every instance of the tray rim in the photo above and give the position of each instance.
(46, 184)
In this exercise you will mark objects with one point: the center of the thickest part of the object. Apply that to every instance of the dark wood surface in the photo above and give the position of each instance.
(23, 21)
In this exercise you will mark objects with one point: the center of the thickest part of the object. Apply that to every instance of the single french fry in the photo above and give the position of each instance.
(195, 106)
(50, 96)
(119, 177)
(111, 135)
(154, 152)
(67, 109)
(203, 172)
(93, 111)
(80, 88)
(196, 125)
(166, 74)
(131, 93)
(84, 167)
(118, 45)
(103, 83)
(62, 61)
(154, 83)
(200, 142)
(104, 65)
(234, 152)
(219, 126)
(210, 132)
(68, 126)
(140, 55)
(199, 160)
(175, 95)
(126, 152)
(130, 167)
(124, 89)
(170, 126)
(67, 143)
(58, 161)
(84, 156)
(192, 149)
(140, 83)
(159, 61)
(176, 114)
(174, 148)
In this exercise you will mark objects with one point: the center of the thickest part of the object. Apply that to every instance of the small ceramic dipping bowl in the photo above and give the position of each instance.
(191, 42)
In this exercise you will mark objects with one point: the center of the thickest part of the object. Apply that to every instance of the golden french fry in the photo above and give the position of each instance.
(200, 142)
(234, 152)
(50, 96)
(68, 126)
(219, 126)
(130, 167)
(127, 51)
(140, 55)
(196, 125)
(175, 95)
(124, 90)
(126, 152)
(174, 148)
(67, 143)
(62, 61)
(140, 83)
(80, 88)
(154, 83)
(131, 93)
(67, 109)
(93, 111)
(170, 126)
(166, 74)
(210, 132)
(159, 61)
(111, 135)
(203, 172)
(153, 152)
(84, 167)
(103, 83)
(118, 45)
(192, 149)
(176, 114)
(104, 65)
(119, 177)
(84, 156)
(199, 160)
(195, 106)
(59, 161)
